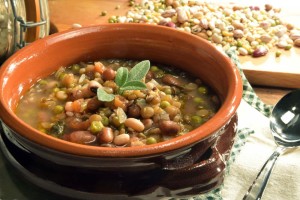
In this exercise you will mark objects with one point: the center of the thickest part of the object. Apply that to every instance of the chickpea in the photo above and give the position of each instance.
(147, 112)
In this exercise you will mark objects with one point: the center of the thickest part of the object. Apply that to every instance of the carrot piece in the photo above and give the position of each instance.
(99, 67)
(119, 103)
(76, 105)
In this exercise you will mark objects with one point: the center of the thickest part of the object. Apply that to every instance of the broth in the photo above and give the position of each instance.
(67, 105)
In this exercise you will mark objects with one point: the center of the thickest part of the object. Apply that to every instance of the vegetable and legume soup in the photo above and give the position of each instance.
(117, 103)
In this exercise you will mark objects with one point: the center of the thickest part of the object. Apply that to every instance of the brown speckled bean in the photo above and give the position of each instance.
(147, 123)
(81, 137)
(169, 127)
(106, 135)
(295, 36)
(297, 42)
(260, 51)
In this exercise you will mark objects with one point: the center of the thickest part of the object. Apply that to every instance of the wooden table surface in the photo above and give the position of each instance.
(64, 13)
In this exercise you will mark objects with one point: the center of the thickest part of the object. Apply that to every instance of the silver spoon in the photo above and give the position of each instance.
(285, 128)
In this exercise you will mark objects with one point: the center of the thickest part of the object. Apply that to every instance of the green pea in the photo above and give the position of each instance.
(277, 53)
(43, 82)
(151, 140)
(202, 90)
(164, 104)
(196, 119)
(110, 20)
(96, 126)
(288, 47)
(239, 44)
(115, 121)
(154, 68)
(168, 90)
(55, 90)
(75, 68)
(105, 120)
(104, 13)
(198, 100)
(58, 109)
(61, 75)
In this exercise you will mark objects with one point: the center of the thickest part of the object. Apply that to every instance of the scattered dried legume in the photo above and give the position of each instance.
(104, 13)
(247, 29)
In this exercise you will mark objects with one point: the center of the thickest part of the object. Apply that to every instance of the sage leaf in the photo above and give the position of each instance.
(104, 96)
(139, 71)
(121, 76)
(133, 85)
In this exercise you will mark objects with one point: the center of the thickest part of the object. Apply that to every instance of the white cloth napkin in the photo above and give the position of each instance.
(284, 182)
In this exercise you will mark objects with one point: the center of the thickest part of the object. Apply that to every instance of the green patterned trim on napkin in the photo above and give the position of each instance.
(248, 93)
(252, 99)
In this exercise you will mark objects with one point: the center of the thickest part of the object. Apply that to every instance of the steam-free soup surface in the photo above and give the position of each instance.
(66, 105)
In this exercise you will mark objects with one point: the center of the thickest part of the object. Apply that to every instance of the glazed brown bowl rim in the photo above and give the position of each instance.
(221, 118)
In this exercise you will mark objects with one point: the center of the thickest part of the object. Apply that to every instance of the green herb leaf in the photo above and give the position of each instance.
(139, 71)
(121, 76)
(121, 115)
(58, 128)
(104, 96)
(133, 85)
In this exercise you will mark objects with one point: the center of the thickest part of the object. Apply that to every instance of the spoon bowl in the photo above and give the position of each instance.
(285, 120)
(285, 128)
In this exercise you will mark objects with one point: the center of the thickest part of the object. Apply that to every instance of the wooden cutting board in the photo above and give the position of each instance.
(283, 71)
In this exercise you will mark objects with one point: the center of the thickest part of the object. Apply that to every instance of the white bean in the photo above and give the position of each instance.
(242, 51)
(217, 38)
(61, 95)
(121, 139)
(69, 106)
(135, 124)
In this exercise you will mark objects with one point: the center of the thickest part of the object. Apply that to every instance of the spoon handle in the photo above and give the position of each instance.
(257, 188)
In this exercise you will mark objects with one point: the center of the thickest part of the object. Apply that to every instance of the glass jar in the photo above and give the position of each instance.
(21, 22)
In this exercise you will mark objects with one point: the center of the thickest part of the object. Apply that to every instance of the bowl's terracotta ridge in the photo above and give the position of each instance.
(115, 40)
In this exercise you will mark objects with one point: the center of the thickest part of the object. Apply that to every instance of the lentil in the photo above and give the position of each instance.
(66, 105)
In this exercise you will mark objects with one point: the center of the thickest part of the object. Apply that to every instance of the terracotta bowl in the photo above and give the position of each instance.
(186, 165)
